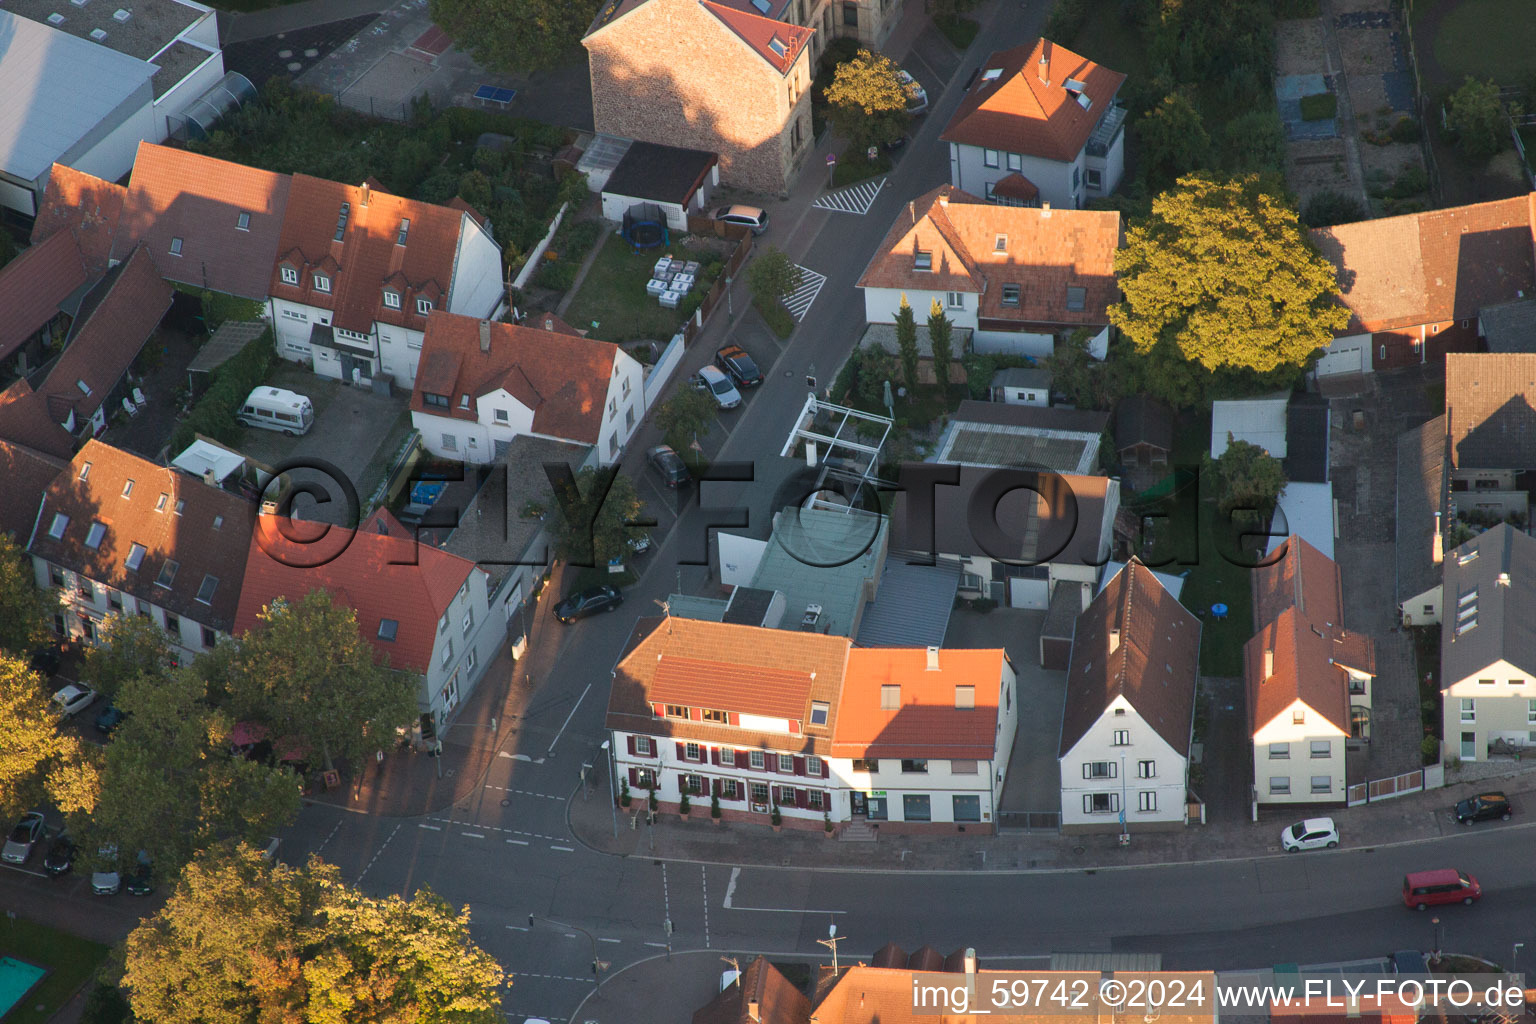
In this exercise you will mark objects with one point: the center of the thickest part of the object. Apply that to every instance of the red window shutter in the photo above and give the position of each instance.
(741, 759)
(802, 799)
(696, 714)
(714, 755)
(826, 769)
(715, 787)
(682, 752)
(771, 762)
(630, 741)
(799, 765)
(735, 718)
(634, 778)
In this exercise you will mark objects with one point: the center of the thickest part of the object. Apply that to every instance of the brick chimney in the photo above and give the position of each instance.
(1045, 210)
(1269, 663)
(363, 200)
(933, 659)
(944, 199)
(1045, 66)
(485, 335)
(753, 1013)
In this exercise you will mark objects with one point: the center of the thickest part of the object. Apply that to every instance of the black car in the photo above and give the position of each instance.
(588, 602)
(733, 359)
(110, 718)
(61, 856)
(1483, 807)
(668, 464)
(142, 881)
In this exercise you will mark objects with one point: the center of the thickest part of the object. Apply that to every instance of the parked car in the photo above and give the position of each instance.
(639, 544)
(105, 880)
(18, 845)
(668, 464)
(45, 660)
(588, 602)
(60, 859)
(917, 96)
(110, 718)
(747, 216)
(74, 698)
(733, 359)
(142, 881)
(709, 378)
(1312, 834)
(1483, 807)
(1425, 889)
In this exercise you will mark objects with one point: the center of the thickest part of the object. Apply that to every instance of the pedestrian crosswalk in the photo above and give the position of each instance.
(799, 301)
(855, 199)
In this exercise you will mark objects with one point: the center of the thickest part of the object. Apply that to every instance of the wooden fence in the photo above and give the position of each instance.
(694, 324)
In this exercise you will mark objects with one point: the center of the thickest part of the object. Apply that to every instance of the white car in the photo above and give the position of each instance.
(718, 384)
(917, 96)
(752, 217)
(1312, 834)
(74, 698)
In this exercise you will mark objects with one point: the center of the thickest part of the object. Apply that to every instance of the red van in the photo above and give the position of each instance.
(1424, 889)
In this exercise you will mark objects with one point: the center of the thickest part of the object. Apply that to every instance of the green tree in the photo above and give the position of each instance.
(306, 672)
(867, 100)
(591, 527)
(1223, 273)
(1249, 480)
(25, 611)
(516, 35)
(906, 344)
(130, 645)
(683, 417)
(1173, 138)
(939, 336)
(1475, 114)
(1073, 372)
(1254, 142)
(876, 366)
(33, 745)
(772, 276)
(242, 941)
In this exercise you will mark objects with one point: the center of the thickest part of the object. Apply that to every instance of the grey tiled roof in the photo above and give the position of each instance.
(1421, 488)
(1490, 586)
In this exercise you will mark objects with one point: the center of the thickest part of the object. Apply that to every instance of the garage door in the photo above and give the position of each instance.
(1342, 359)
(1029, 593)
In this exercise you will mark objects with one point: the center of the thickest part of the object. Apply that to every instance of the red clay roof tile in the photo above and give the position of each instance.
(34, 283)
(926, 723)
(27, 474)
(761, 34)
(86, 205)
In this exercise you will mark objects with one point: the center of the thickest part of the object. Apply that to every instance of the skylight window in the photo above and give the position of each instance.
(777, 46)
(923, 260)
(176, 247)
(1076, 299)
(96, 535)
(405, 229)
(341, 221)
(58, 526)
(128, 488)
(135, 556)
(1083, 100)
(388, 629)
(85, 470)
(167, 573)
(161, 501)
(243, 222)
(763, 6)
(992, 75)
(83, 386)
(205, 592)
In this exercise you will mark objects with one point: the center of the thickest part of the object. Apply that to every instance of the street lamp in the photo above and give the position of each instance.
(831, 942)
(1435, 951)
(1514, 957)
(596, 963)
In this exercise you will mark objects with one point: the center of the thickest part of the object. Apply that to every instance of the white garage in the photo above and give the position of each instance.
(680, 181)
(1345, 355)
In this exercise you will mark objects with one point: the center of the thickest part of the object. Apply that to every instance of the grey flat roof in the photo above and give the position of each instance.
(1510, 326)
(227, 341)
(822, 557)
(912, 605)
(176, 62)
(151, 25)
(58, 89)
(1421, 492)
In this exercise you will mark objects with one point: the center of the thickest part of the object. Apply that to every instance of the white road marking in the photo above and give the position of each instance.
(473, 835)
(564, 849)
(519, 842)
(434, 828)
(572, 715)
(518, 928)
(730, 892)
(494, 828)
(329, 837)
(658, 945)
(524, 792)
(376, 855)
(855, 199)
(704, 881)
(799, 302)
(521, 757)
(600, 939)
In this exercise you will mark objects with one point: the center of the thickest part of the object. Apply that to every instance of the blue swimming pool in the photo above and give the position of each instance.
(16, 979)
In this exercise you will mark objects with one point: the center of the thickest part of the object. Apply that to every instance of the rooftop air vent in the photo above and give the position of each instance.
(811, 617)
(55, 19)
(98, 34)
(79, 3)
(121, 15)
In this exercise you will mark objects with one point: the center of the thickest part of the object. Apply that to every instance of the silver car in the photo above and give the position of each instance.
(74, 698)
(917, 96)
(719, 385)
(747, 216)
(18, 845)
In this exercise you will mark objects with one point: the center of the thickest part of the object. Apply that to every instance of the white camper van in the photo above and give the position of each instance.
(278, 409)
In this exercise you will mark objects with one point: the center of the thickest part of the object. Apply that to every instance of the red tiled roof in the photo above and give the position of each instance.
(1029, 110)
(174, 194)
(27, 474)
(1302, 576)
(763, 987)
(1016, 186)
(174, 516)
(367, 260)
(102, 350)
(86, 205)
(1134, 641)
(1302, 670)
(34, 283)
(24, 419)
(1435, 266)
(1045, 253)
(723, 666)
(760, 33)
(561, 376)
(926, 724)
(380, 576)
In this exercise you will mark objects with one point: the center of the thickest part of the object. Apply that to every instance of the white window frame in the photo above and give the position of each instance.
(954, 300)
(1146, 801)
(1326, 751)
(813, 766)
(322, 283)
(1122, 738)
(1322, 784)
(645, 746)
(391, 300)
(290, 275)
(1146, 769)
(1469, 710)
(756, 759)
(1279, 785)
(989, 158)
(692, 751)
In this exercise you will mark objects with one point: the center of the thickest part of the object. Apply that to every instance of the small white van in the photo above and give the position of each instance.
(278, 409)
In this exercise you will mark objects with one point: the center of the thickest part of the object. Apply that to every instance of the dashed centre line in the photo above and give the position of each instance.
(494, 828)
(376, 856)
(524, 792)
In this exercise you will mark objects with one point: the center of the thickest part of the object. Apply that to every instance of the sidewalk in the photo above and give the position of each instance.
(1405, 819)
(306, 14)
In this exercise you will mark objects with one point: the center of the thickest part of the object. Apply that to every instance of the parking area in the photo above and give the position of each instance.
(1034, 779)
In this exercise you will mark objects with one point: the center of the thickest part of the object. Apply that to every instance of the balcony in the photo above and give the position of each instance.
(1106, 132)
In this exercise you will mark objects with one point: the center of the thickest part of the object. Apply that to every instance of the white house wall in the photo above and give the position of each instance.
(477, 289)
(108, 152)
(187, 636)
(615, 206)
(189, 90)
(1297, 767)
(1168, 784)
(969, 173)
(881, 304)
(1502, 708)
(1347, 355)
(461, 655)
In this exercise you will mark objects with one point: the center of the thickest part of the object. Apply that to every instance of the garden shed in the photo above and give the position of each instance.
(679, 181)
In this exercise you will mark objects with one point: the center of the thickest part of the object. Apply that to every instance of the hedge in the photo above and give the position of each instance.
(214, 413)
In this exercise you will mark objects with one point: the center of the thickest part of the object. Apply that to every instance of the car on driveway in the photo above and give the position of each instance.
(105, 880)
(588, 602)
(1483, 807)
(1312, 834)
(747, 216)
(141, 882)
(917, 96)
(710, 379)
(18, 845)
(61, 856)
(668, 465)
(73, 699)
(110, 718)
(733, 359)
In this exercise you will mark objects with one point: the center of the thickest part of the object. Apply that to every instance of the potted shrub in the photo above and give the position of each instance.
(684, 806)
(714, 808)
(652, 801)
(624, 796)
(776, 817)
(826, 823)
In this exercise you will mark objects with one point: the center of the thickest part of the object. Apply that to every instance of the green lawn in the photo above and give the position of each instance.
(72, 961)
(613, 294)
(1487, 38)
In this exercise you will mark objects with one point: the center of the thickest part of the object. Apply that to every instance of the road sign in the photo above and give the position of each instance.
(831, 159)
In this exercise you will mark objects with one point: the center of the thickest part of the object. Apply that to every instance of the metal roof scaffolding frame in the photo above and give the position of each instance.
(831, 436)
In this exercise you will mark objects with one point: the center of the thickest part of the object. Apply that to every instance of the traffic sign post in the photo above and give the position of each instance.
(831, 167)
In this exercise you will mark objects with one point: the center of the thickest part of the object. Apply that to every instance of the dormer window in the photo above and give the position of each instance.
(922, 260)
(175, 247)
(290, 275)
(391, 299)
(820, 709)
(423, 306)
(243, 222)
(463, 401)
(1076, 299)
(322, 283)
(405, 229)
